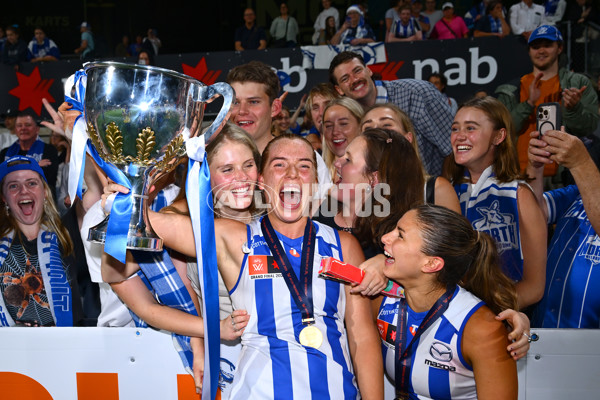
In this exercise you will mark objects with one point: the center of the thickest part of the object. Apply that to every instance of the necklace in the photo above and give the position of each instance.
(24, 244)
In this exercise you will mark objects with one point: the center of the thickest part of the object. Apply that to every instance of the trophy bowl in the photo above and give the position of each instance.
(138, 120)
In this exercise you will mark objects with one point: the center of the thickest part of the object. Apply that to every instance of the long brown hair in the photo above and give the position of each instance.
(399, 167)
(470, 257)
(506, 160)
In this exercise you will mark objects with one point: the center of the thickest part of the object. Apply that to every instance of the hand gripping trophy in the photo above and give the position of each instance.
(139, 119)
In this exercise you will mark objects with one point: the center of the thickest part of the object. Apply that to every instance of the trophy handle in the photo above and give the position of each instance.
(208, 94)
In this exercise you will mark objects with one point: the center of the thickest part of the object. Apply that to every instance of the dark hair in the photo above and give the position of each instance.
(470, 257)
(27, 113)
(258, 72)
(506, 161)
(441, 77)
(397, 165)
(491, 5)
(342, 58)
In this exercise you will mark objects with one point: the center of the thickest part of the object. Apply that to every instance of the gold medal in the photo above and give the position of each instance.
(311, 336)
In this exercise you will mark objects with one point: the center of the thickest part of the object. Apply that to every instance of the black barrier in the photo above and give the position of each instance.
(471, 65)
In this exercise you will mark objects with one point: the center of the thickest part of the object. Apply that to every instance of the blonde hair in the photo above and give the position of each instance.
(356, 111)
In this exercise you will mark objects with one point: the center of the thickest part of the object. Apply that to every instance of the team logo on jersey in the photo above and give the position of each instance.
(502, 227)
(263, 267)
(413, 329)
(440, 351)
(591, 249)
(294, 253)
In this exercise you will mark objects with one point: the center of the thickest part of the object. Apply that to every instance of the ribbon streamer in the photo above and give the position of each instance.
(78, 144)
(199, 198)
(118, 224)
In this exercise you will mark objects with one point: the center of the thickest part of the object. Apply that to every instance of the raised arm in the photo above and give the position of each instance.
(569, 151)
(363, 338)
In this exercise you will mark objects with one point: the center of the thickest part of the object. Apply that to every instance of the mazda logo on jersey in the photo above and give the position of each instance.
(441, 352)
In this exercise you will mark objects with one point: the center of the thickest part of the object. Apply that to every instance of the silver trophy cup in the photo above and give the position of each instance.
(138, 119)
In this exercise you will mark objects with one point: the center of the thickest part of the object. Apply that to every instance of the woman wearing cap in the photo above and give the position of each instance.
(32, 246)
(450, 26)
(354, 30)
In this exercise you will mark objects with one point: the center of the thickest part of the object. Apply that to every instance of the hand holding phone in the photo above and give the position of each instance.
(548, 117)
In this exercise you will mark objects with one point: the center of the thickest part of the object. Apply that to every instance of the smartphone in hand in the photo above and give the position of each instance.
(548, 117)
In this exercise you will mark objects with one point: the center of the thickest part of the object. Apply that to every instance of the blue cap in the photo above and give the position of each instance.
(546, 32)
(19, 163)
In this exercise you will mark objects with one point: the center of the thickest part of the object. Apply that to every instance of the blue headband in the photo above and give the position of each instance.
(19, 163)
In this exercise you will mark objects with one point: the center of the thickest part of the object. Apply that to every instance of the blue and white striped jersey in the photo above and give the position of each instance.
(438, 368)
(273, 364)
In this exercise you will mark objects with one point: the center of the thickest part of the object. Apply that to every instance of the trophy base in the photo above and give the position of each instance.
(143, 242)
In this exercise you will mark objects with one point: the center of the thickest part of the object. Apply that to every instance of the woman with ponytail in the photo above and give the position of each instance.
(442, 339)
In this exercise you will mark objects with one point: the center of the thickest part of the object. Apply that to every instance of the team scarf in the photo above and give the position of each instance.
(495, 25)
(162, 279)
(54, 276)
(35, 151)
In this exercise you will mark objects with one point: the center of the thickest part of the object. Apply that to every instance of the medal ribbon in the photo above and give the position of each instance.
(300, 289)
(403, 358)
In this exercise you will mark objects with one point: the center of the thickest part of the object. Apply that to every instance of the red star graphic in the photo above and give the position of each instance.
(31, 90)
(393, 335)
(201, 72)
(387, 70)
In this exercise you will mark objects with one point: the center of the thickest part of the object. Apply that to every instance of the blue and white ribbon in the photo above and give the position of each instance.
(80, 137)
(115, 244)
(199, 199)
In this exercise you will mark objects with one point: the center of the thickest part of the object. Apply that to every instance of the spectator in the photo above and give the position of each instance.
(321, 25)
(406, 29)
(87, 46)
(122, 49)
(145, 58)
(441, 82)
(284, 29)
(493, 23)
(570, 299)
(525, 16)
(415, 9)
(8, 134)
(354, 31)
(554, 11)
(392, 15)
(41, 48)
(433, 14)
(35, 245)
(318, 98)
(250, 36)
(494, 195)
(329, 32)
(475, 14)
(426, 106)
(15, 49)
(152, 38)
(135, 48)
(549, 83)
(29, 144)
(450, 26)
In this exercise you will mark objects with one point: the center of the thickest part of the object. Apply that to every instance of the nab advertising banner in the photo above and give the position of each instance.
(471, 65)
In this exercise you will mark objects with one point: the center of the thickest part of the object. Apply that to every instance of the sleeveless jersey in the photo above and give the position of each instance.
(273, 364)
(438, 368)
(492, 207)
